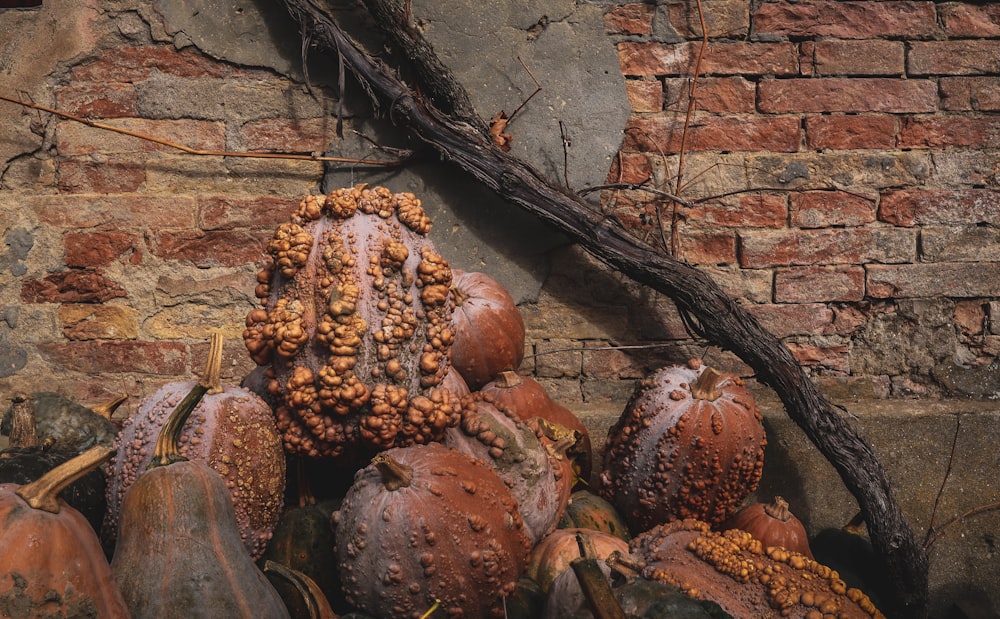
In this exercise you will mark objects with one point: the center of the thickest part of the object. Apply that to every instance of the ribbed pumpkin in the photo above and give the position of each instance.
(51, 562)
(426, 523)
(355, 327)
(536, 471)
(586, 510)
(232, 431)
(526, 398)
(773, 524)
(689, 444)
(179, 551)
(489, 329)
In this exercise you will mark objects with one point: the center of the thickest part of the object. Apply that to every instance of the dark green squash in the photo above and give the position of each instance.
(179, 552)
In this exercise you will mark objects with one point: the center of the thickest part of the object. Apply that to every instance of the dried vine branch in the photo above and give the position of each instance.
(719, 317)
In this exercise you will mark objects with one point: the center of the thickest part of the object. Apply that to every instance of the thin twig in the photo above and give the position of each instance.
(566, 143)
(538, 88)
(944, 481)
(633, 186)
(936, 534)
(195, 151)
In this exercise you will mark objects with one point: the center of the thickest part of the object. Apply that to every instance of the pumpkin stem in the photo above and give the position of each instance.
(706, 387)
(395, 475)
(596, 589)
(313, 597)
(167, 450)
(458, 297)
(508, 379)
(108, 408)
(625, 564)
(778, 509)
(43, 493)
(23, 430)
(430, 611)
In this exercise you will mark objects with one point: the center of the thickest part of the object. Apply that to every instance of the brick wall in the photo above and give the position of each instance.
(839, 167)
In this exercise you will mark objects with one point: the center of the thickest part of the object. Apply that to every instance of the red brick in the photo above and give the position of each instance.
(962, 19)
(835, 358)
(949, 131)
(87, 176)
(75, 139)
(739, 58)
(93, 210)
(209, 249)
(768, 248)
(73, 286)
(635, 18)
(112, 100)
(970, 316)
(110, 356)
(708, 247)
(705, 133)
(134, 64)
(934, 279)
(833, 94)
(633, 168)
(288, 135)
(723, 18)
(916, 207)
(254, 213)
(954, 57)
(823, 209)
(644, 95)
(96, 249)
(970, 93)
(814, 284)
(758, 210)
(853, 131)
(846, 20)
(713, 94)
(850, 57)
(786, 320)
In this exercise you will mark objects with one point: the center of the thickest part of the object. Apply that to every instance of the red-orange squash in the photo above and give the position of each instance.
(689, 444)
(554, 554)
(489, 329)
(773, 524)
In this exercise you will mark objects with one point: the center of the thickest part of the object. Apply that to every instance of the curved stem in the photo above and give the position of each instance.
(43, 493)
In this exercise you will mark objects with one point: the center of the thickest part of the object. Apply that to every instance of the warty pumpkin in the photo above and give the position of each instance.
(179, 552)
(51, 562)
(425, 523)
(689, 444)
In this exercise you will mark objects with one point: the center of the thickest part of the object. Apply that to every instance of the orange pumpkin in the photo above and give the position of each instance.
(773, 524)
(554, 554)
(489, 329)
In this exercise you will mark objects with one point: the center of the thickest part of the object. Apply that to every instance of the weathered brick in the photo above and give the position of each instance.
(633, 18)
(212, 248)
(85, 176)
(851, 131)
(603, 360)
(910, 207)
(254, 213)
(965, 167)
(732, 95)
(104, 100)
(753, 285)
(964, 19)
(97, 249)
(229, 99)
(960, 244)
(789, 319)
(708, 247)
(970, 93)
(970, 316)
(853, 57)
(824, 209)
(768, 248)
(846, 20)
(723, 18)
(758, 210)
(630, 168)
(964, 57)
(836, 94)
(738, 58)
(110, 356)
(664, 132)
(94, 210)
(644, 95)
(236, 362)
(832, 357)
(98, 322)
(815, 284)
(558, 358)
(934, 279)
(134, 64)
(821, 170)
(196, 321)
(290, 135)
(74, 139)
(949, 132)
(72, 286)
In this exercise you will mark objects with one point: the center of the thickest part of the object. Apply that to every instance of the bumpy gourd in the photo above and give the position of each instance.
(355, 328)
(689, 444)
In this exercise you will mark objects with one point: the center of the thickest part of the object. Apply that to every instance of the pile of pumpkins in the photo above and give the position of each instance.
(386, 460)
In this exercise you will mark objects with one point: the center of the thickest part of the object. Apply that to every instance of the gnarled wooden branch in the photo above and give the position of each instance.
(717, 316)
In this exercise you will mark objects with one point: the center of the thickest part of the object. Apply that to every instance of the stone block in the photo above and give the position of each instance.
(98, 322)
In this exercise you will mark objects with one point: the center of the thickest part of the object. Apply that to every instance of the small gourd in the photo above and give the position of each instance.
(773, 524)
(489, 329)
(587, 510)
(179, 551)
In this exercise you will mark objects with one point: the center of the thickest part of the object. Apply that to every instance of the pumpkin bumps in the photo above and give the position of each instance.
(354, 331)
